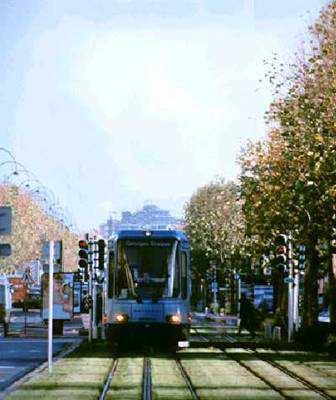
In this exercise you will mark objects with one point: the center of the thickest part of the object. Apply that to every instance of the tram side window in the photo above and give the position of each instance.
(110, 274)
(184, 277)
(176, 287)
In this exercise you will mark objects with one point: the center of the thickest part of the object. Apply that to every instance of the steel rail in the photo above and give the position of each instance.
(109, 379)
(146, 380)
(293, 375)
(256, 374)
(278, 366)
(187, 379)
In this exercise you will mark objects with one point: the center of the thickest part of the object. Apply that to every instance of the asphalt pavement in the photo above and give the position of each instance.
(25, 349)
(18, 356)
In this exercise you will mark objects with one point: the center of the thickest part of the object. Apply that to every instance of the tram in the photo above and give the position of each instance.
(148, 288)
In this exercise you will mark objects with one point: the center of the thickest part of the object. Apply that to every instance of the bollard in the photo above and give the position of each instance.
(277, 333)
(268, 331)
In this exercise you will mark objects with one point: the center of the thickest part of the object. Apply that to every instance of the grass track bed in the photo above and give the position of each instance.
(167, 381)
(215, 376)
(80, 376)
(127, 381)
(287, 385)
(300, 364)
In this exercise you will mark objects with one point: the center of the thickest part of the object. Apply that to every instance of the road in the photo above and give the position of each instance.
(20, 355)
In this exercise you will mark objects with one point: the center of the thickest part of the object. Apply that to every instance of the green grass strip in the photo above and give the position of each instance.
(127, 381)
(79, 376)
(215, 376)
(167, 381)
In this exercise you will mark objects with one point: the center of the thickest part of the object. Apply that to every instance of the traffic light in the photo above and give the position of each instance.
(281, 240)
(281, 252)
(101, 254)
(83, 268)
(301, 248)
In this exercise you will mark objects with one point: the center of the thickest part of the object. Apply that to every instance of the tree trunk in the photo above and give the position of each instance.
(310, 297)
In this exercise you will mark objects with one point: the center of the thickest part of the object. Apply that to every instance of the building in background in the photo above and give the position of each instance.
(150, 216)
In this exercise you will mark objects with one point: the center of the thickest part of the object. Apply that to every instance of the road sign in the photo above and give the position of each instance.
(5, 250)
(288, 280)
(5, 220)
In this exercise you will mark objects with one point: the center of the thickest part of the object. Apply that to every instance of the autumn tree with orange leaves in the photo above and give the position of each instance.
(30, 228)
(289, 179)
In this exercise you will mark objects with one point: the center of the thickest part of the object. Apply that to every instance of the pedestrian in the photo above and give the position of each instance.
(247, 316)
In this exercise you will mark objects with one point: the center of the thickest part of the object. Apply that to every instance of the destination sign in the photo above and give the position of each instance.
(149, 243)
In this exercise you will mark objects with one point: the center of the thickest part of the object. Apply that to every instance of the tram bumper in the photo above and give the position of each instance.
(149, 333)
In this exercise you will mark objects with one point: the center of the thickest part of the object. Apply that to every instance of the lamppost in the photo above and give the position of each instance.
(22, 179)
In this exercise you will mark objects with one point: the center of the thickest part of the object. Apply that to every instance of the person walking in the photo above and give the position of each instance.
(247, 316)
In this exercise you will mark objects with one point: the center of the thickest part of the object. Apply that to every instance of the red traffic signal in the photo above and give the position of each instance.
(83, 258)
(281, 250)
(82, 244)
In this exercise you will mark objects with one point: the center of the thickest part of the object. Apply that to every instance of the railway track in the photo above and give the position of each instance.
(109, 379)
(294, 376)
(187, 379)
(308, 385)
(146, 380)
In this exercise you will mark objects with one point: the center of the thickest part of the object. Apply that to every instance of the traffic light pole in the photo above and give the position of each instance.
(94, 291)
(50, 305)
(90, 259)
(290, 324)
(296, 316)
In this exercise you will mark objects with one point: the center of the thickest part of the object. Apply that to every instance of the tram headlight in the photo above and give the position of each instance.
(121, 318)
(174, 319)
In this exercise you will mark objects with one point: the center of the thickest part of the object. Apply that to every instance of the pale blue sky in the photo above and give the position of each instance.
(113, 104)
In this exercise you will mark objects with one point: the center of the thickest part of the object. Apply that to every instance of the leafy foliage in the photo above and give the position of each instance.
(214, 222)
(288, 180)
(30, 227)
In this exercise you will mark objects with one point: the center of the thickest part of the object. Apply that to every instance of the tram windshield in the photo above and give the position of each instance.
(147, 269)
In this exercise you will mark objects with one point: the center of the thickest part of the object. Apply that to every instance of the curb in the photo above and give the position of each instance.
(40, 368)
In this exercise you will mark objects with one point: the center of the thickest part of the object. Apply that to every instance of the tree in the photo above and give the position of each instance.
(288, 180)
(215, 226)
(30, 227)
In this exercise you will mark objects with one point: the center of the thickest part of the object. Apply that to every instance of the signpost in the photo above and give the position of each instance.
(5, 220)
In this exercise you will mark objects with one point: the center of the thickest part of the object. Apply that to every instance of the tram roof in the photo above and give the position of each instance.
(156, 234)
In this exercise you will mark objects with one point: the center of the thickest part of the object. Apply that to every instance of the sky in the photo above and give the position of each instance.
(114, 104)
